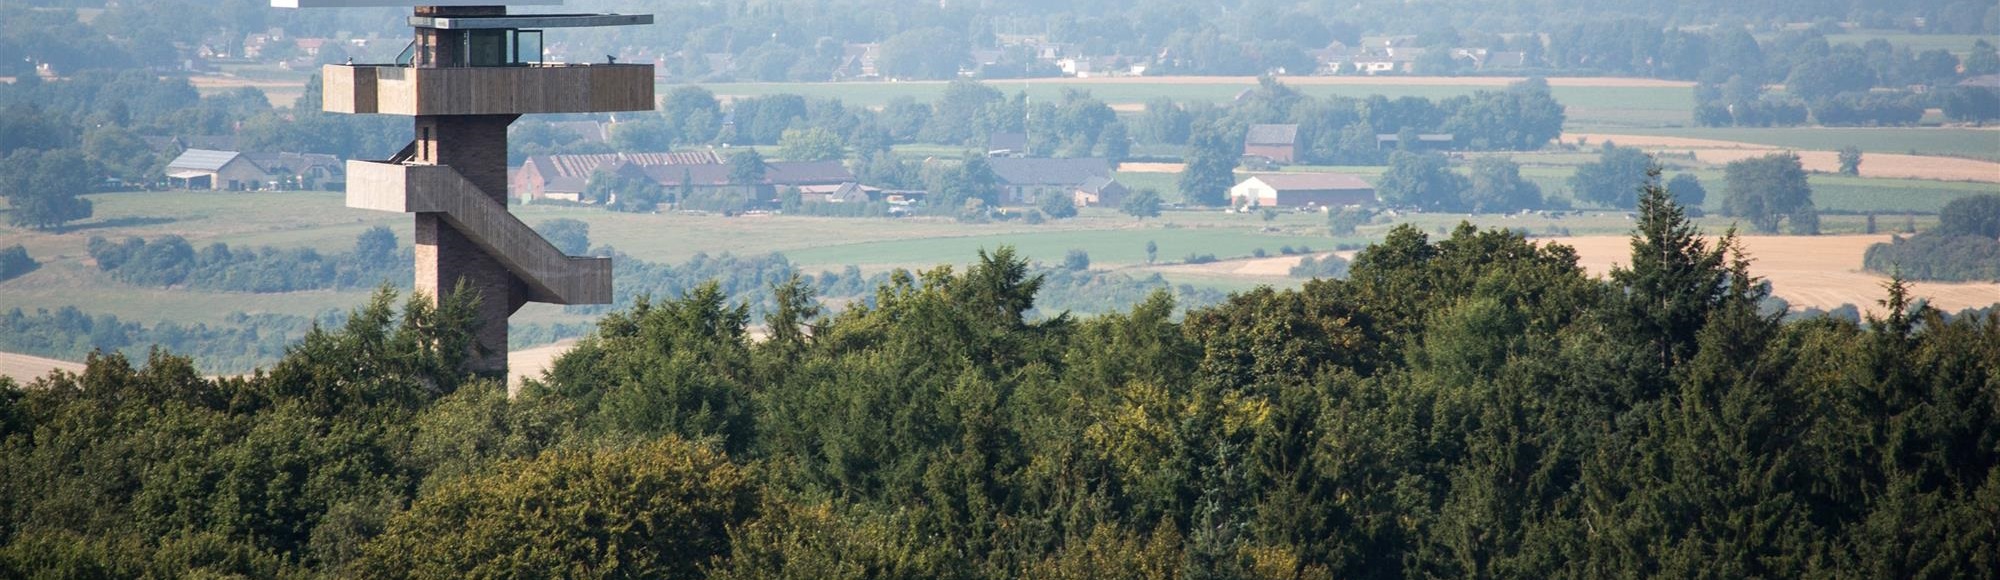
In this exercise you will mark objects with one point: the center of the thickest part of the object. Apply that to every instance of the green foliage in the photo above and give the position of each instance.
(657, 509)
(1687, 191)
(569, 235)
(621, 192)
(1614, 179)
(14, 262)
(679, 367)
(1328, 267)
(1344, 221)
(1474, 405)
(1056, 204)
(1977, 215)
(171, 261)
(1211, 167)
(1965, 247)
(1141, 205)
(42, 187)
(1768, 190)
(1424, 181)
(1497, 187)
(1076, 261)
(746, 167)
(814, 144)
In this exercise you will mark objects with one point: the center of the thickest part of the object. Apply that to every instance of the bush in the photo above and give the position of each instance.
(14, 262)
(1076, 261)
(1198, 258)
(1327, 268)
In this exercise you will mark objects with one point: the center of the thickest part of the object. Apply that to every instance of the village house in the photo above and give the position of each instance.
(565, 177)
(1099, 192)
(1278, 143)
(234, 171)
(1024, 180)
(1302, 190)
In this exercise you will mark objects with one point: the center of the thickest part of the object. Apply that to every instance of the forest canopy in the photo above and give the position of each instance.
(1471, 405)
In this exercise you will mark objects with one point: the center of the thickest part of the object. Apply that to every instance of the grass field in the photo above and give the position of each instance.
(1958, 44)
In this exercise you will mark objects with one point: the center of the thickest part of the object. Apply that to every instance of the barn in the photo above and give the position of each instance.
(1302, 190)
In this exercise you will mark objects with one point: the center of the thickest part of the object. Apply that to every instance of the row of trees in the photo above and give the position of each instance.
(1468, 406)
(1965, 246)
(172, 261)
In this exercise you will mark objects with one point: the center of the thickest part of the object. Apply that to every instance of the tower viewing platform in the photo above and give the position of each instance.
(470, 71)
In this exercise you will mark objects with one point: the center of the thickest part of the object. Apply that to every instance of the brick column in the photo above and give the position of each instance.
(475, 146)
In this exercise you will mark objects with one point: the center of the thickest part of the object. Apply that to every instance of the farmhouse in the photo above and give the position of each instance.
(564, 177)
(1099, 192)
(234, 171)
(1278, 143)
(1025, 179)
(1302, 190)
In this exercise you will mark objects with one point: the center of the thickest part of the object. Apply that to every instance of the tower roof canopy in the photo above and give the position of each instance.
(409, 3)
(529, 21)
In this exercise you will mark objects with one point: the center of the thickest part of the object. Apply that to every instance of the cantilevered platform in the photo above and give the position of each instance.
(511, 90)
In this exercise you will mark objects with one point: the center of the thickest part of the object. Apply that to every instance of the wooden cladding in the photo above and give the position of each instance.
(522, 90)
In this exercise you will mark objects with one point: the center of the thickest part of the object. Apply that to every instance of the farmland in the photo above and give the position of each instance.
(1613, 102)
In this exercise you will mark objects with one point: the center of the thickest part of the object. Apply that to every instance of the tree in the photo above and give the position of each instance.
(658, 509)
(377, 246)
(1675, 278)
(1211, 168)
(1850, 160)
(1056, 204)
(1344, 221)
(1497, 186)
(43, 187)
(1614, 179)
(1971, 104)
(814, 144)
(1977, 216)
(973, 180)
(1076, 261)
(923, 53)
(1767, 190)
(1152, 251)
(1823, 77)
(14, 261)
(1983, 60)
(1165, 123)
(1424, 181)
(1141, 205)
(622, 192)
(569, 235)
(1687, 191)
(746, 168)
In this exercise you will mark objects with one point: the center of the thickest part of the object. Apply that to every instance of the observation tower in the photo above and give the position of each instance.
(470, 72)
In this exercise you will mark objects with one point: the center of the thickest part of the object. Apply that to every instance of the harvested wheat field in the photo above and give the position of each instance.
(1252, 269)
(23, 368)
(1878, 165)
(1152, 167)
(1808, 271)
(531, 363)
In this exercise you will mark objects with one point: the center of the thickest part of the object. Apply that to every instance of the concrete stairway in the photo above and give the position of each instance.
(550, 276)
